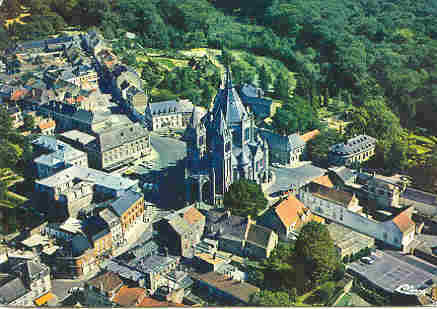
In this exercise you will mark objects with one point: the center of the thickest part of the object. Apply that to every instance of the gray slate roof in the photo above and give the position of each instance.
(125, 201)
(283, 142)
(344, 173)
(228, 102)
(95, 228)
(79, 244)
(353, 145)
(119, 136)
(250, 90)
(100, 178)
(109, 216)
(78, 136)
(171, 106)
(154, 263)
(259, 235)
(12, 289)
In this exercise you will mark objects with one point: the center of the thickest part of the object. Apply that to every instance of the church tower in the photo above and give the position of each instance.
(196, 140)
(221, 152)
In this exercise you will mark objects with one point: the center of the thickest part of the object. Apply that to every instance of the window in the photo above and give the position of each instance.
(228, 147)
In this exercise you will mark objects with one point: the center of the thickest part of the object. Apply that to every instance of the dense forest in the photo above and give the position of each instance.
(367, 54)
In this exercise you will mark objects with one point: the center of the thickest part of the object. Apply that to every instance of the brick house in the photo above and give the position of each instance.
(99, 235)
(100, 290)
(182, 230)
(129, 207)
(286, 217)
(239, 235)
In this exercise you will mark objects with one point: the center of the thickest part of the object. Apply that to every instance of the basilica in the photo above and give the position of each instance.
(223, 146)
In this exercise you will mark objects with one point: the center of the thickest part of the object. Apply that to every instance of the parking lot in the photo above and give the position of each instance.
(389, 271)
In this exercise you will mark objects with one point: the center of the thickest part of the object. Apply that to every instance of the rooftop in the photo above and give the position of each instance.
(60, 151)
(240, 290)
(110, 181)
(324, 181)
(210, 259)
(310, 135)
(344, 237)
(337, 196)
(72, 225)
(125, 201)
(259, 235)
(154, 263)
(78, 136)
(108, 280)
(290, 211)
(354, 145)
(129, 297)
(403, 221)
(171, 106)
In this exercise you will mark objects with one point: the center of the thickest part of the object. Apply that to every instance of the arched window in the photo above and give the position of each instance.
(228, 147)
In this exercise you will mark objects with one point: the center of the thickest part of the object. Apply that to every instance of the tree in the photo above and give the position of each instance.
(282, 87)
(318, 147)
(270, 298)
(245, 198)
(29, 123)
(315, 252)
(3, 189)
(265, 78)
(10, 154)
(295, 115)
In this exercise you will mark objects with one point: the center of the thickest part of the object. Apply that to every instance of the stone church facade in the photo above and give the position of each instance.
(223, 146)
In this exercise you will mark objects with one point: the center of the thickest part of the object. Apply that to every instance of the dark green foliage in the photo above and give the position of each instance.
(316, 254)
(295, 115)
(318, 147)
(265, 78)
(29, 123)
(245, 198)
(268, 298)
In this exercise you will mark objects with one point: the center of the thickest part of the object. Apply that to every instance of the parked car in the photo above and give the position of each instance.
(367, 260)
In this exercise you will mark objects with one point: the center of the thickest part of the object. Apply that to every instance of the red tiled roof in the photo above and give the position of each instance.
(289, 210)
(47, 124)
(403, 221)
(324, 181)
(18, 94)
(192, 215)
(150, 302)
(310, 135)
(109, 280)
(128, 297)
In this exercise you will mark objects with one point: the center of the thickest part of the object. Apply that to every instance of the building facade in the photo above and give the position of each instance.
(119, 146)
(129, 208)
(60, 156)
(286, 217)
(222, 147)
(174, 114)
(182, 230)
(354, 150)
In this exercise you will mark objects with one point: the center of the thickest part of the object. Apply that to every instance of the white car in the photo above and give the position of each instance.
(367, 260)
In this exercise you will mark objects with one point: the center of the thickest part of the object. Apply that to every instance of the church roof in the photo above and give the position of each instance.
(229, 103)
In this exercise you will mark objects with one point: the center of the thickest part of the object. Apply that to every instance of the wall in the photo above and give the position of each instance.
(387, 231)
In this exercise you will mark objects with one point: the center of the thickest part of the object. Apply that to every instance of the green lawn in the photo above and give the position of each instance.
(351, 300)
(344, 301)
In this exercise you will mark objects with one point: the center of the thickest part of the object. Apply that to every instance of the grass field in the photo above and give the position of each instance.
(351, 300)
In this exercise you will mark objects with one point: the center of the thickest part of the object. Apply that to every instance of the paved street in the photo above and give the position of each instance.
(392, 269)
(60, 287)
(170, 150)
